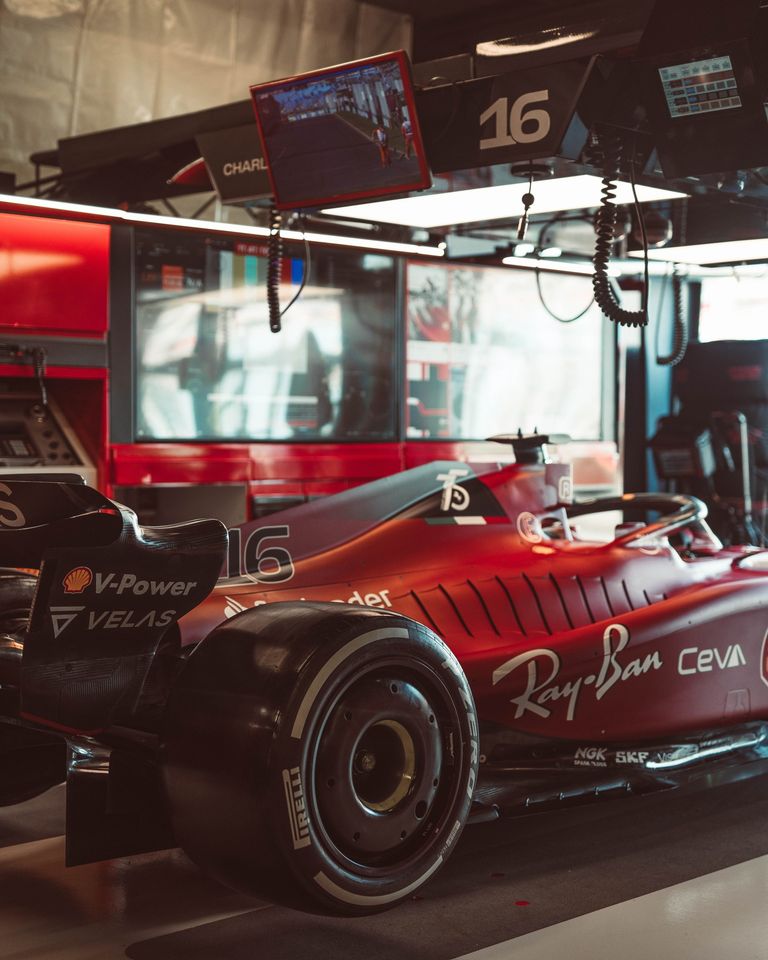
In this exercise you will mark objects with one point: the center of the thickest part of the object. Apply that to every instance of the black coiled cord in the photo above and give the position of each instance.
(274, 263)
(680, 332)
(605, 226)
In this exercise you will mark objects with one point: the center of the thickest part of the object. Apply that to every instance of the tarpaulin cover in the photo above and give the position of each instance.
(75, 66)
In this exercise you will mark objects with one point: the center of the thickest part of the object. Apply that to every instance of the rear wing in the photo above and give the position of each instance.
(108, 591)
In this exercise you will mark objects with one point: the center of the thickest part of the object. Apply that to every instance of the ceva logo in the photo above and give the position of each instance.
(707, 659)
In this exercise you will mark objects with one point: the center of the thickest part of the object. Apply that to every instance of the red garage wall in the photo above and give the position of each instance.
(54, 276)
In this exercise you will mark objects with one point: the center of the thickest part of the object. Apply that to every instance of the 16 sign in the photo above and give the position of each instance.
(501, 119)
(510, 122)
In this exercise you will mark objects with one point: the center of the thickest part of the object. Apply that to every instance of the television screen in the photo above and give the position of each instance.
(207, 367)
(343, 133)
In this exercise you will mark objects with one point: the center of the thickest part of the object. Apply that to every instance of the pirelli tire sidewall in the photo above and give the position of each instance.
(313, 856)
(244, 725)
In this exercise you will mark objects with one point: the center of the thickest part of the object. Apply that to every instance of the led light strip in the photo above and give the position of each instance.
(480, 204)
(213, 226)
(558, 266)
(721, 251)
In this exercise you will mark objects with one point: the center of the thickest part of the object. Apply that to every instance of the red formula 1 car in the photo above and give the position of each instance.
(373, 670)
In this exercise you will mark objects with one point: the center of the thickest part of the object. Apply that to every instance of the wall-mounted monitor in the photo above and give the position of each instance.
(703, 64)
(208, 369)
(343, 133)
(700, 86)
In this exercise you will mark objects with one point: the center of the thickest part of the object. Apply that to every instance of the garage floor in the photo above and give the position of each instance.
(666, 876)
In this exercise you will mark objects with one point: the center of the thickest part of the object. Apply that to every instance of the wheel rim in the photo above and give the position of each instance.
(378, 764)
(384, 766)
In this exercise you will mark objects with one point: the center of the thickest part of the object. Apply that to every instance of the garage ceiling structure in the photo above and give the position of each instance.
(453, 40)
(452, 27)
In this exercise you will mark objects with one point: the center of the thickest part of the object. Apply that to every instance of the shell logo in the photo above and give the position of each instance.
(77, 580)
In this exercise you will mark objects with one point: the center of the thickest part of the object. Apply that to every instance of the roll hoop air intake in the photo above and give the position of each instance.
(605, 223)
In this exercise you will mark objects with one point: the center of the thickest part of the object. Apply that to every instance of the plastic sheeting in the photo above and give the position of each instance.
(74, 66)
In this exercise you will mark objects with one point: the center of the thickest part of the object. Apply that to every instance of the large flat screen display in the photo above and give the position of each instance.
(343, 133)
(208, 368)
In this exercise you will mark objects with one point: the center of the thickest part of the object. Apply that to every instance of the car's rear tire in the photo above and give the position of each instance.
(33, 760)
(321, 756)
(17, 590)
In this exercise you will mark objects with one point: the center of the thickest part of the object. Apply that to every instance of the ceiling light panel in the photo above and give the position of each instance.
(724, 251)
(216, 226)
(496, 203)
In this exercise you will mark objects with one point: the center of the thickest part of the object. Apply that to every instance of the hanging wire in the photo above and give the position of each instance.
(537, 272)
(605, 222)
(305, 272)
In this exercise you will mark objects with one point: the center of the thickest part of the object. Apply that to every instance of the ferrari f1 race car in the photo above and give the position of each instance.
(315, 705)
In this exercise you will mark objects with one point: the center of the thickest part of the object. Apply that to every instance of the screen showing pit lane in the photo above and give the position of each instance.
(700, 87)
(350, 132)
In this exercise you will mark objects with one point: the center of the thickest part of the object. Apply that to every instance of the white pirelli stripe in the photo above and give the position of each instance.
(333, 663)
(374, 900)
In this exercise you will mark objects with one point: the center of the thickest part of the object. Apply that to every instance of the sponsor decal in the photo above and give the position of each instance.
(297, 811)
(77, 580)
(234, 606)
(455, 497)
(130, 583)
(591, 757)
(602, 756)
(61, 617)
(372, 599)
(10, 514)
(632, 756)
(529, 528)
(706, 659)
(565, 490)
(236, 167)
(129, 619)
(541, 668)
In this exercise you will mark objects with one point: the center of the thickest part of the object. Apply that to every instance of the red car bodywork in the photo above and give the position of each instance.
(560, 638)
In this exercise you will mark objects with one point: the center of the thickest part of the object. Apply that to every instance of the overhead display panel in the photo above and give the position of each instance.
(703, 86)
(505, 118)
(343, 133)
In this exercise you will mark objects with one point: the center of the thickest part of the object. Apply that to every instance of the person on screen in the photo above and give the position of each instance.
(381, 139)
(407, 131)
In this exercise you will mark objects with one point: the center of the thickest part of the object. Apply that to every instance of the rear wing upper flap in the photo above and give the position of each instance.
(37, 513)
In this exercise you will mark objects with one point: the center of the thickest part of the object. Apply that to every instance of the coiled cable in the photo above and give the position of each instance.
(274, 264)
(680, 330)
(605, 225)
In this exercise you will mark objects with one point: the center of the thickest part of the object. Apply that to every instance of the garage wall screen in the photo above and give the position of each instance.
(484, 356)
(208, 367)
(476, 352)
